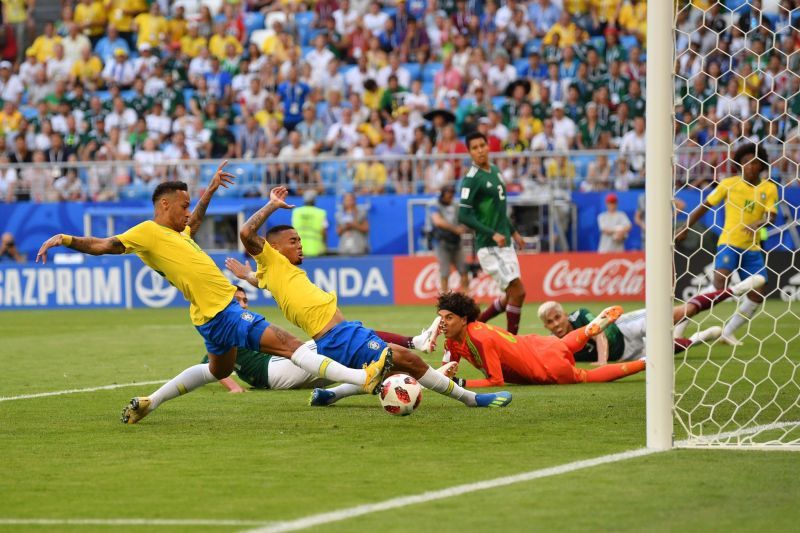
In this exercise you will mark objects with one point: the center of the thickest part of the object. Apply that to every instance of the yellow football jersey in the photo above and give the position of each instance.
(744, 204)
(302, 303)
(185, 265)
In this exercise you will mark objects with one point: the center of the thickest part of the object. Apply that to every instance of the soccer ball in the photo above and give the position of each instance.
(400, 394)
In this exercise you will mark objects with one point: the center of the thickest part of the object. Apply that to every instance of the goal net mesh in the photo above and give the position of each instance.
(737, 81)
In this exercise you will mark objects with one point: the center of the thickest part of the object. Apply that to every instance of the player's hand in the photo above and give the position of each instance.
(518, 240)
(278, 196)
(238, 391)
(221, 178)
(451, 369)
(499, 239)
(53, 241)
(241, 271)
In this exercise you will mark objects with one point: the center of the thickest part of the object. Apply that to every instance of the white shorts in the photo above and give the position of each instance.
(500, 263)
(633, 328)
(282, 374)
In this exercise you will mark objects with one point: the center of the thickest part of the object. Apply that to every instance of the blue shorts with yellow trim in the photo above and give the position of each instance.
(234, 326)
(746, 262)
(351, 344)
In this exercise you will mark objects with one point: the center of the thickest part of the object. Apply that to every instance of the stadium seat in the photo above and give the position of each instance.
(104, 96)
(254, 20)
(629, 41)
(28, 112)
(188, 94)
(534, 45)
(521, 64)
(498, 102)
(322, 107)
(303, 23)
(207, 172)
(259, 36)
(275, 16)
(599, 44)
(413, 70)
(427, 88)
(430, 70)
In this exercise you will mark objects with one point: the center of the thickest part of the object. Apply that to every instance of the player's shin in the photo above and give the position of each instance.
(513, 316)
(192, 378)
(307, 358)
(613, 371)
(494, 309)
(437, 382)
(746, 309)
(345, 390)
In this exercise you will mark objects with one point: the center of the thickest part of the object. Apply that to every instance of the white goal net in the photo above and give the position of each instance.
(737, 83)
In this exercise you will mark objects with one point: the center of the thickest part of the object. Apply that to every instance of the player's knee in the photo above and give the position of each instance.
(220, 369)
(407, 361)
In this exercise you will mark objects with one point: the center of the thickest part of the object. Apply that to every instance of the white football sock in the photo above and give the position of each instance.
(192, 378)
(307, 358)
(344, 390)
(680, 327)
(746, 309)
(436, 382)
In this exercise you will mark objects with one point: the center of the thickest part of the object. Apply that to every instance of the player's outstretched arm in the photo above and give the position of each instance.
(220, 179)
(242, 271)
(87, 245)
(694, 216)
(251, 240)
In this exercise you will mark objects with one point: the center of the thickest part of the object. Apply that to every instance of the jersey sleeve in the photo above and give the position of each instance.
(491, 366)
(719, 194)
(138, 238)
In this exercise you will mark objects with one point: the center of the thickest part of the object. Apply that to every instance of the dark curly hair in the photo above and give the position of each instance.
(459, 304)
(757, 150)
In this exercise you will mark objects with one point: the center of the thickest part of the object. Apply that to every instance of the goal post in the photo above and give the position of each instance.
(722, 78)
(658, 224)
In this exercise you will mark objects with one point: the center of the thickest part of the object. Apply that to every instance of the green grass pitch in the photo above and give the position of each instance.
(267, 457)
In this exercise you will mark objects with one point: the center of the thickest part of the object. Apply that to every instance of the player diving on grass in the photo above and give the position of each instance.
(750, 205)
(506, 358)
(266, 371)
(317, 314)
(483, 209)
(625, 339)
(166, 245)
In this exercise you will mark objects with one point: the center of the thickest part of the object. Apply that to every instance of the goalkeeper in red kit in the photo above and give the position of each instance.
(521, 359)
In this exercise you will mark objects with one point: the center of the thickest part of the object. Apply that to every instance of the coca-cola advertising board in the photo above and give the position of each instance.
(567, 277)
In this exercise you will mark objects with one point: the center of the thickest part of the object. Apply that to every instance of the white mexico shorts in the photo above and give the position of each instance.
(282, 374)
(500, 263)
(632, 327)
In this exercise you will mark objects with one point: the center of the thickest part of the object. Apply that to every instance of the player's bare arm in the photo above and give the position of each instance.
(242, 271)
(87, 245)
(518, 240)
(253, 242)
(601, 341)
(220, 179)
(694, 216)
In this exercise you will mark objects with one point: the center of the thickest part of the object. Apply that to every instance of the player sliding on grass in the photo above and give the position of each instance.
(165, 244)
(506, 358)
(750, 205)
(316, 313)
(266, 371)
(624, 340)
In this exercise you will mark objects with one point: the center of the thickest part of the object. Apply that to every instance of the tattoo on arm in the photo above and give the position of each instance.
(252, 241)
(96, 246)
(199, 213)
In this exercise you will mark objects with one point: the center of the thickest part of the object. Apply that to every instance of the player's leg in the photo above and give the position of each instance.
(410, 363)
(277, 341)
(609, 372)
(752, 264)
(511, 282)
(282, 374)
(703, 302)
(460, 262)
(443, 258)
(490, 263)
(424, 342)
(218, 367)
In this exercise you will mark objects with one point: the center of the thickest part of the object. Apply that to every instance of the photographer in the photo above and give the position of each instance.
(8, 250)
(447, 235)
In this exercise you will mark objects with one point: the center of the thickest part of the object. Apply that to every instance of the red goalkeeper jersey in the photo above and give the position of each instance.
(506, 358)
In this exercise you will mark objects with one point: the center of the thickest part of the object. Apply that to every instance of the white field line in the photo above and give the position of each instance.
(76, 391)
(425, 497)
(124, 522)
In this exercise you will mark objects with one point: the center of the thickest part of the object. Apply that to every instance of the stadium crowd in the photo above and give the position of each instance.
(138, 85)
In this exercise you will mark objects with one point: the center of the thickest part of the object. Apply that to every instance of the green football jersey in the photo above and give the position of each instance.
(483, 206)
(251, 366)
(616, 342)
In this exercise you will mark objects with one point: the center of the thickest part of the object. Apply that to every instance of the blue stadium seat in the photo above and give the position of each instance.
(733, 5)
(207, 172)
(430, 71)
(28, 112)
(413, 70)
(629, 41)
(188, 94)
(427, 88)
(305, 50)
(534, 45)
(521, 64)
(599, 44)
(104, 96)
(498, 102)
(322, 107)
(253, 20)
(581, 163)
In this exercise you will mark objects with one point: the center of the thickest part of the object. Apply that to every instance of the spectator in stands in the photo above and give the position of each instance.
(500, 74)
(634, 144)
(342, 135)
(293, 94)
(447, 234)
(8, 249)
(120, 71)
(563, 126)
(598, 177)
(370, 176)
(614, 227)
(547, 140)
(352, 227)
(560, 169)
(624, 178)
(107, 46)
(44, 44)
